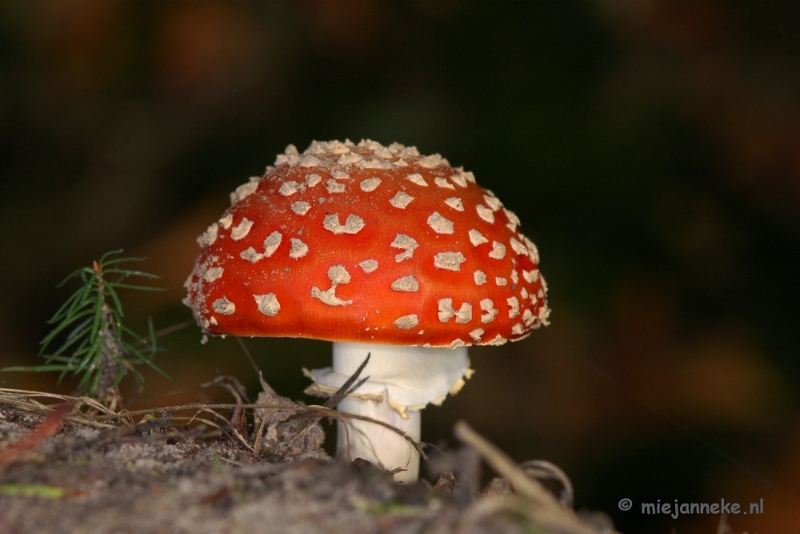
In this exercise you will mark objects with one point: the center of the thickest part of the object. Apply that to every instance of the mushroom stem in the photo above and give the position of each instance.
(378, 444)
(402, 381)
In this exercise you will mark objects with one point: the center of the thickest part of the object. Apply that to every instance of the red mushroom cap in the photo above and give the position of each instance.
(371, 244)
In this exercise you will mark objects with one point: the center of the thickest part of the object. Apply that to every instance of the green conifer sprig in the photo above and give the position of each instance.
(98, 347)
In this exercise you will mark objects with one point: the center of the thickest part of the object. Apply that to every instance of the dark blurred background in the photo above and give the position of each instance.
(650, 148)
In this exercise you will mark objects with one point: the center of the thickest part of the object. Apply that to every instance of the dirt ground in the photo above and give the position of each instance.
(73, 467)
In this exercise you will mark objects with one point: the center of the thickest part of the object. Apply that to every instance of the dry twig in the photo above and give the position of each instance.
(537, 503)
(50, 426)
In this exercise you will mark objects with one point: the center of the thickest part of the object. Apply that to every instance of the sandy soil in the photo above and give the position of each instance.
(74, 470)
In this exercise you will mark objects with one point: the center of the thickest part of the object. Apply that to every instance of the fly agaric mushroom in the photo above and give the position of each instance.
(384, 252)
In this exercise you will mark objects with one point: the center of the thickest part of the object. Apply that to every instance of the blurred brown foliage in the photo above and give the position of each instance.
(650, 148)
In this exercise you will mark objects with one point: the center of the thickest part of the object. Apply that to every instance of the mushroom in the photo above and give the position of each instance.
(384, 252)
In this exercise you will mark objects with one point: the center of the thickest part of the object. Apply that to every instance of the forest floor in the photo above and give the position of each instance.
(70, 465)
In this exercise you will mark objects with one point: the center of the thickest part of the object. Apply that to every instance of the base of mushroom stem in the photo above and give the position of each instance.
(377, 444)
(412, 377)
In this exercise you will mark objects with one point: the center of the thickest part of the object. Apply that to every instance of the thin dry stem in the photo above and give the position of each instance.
(542, 507)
